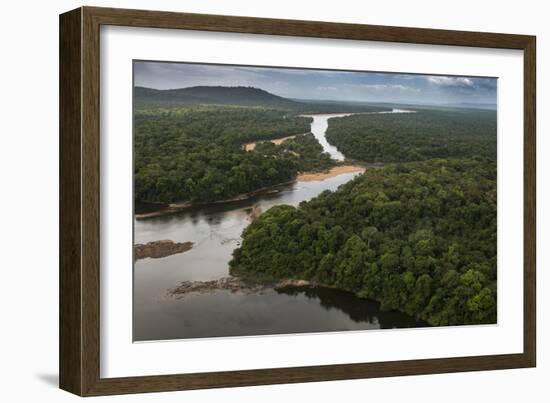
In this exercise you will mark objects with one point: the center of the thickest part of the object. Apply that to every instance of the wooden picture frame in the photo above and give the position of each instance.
(79, 346)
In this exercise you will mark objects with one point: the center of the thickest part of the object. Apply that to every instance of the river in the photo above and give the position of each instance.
(215, 231)
(320, 124)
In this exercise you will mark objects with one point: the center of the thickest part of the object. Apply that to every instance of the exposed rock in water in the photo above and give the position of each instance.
(255, 212)
(236, 284)
(158, 249)
(233, 284)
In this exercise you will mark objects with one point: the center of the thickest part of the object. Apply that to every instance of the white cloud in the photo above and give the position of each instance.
(451, 81)
(326, 88)
(388, 87)
(374, 87)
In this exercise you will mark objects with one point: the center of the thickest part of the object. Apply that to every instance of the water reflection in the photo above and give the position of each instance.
(359, 310)
(222, 313)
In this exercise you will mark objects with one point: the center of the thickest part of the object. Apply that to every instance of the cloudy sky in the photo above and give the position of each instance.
(321, 84)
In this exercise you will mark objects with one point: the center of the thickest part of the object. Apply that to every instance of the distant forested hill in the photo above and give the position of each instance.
(241, 96)
(245, 96)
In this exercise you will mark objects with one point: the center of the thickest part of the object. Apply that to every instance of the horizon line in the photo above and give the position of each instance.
(319, 99)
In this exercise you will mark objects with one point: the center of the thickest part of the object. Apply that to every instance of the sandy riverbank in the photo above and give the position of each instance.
(334, 171)
(277, 141)
(304, 177)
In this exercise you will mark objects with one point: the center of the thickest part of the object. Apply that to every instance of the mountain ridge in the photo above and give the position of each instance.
(222, 95)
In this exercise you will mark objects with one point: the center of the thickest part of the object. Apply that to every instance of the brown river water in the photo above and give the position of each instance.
(215, 231)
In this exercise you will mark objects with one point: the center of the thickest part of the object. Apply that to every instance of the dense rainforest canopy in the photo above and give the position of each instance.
(418, 234)
(419, 237)
(305, 152)
(188, 142)
(196, 153)
(415, 136)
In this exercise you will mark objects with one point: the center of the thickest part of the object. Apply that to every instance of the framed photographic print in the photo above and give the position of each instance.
(249, 201)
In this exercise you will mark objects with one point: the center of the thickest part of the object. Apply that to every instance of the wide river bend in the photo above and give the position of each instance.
(215, 231)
